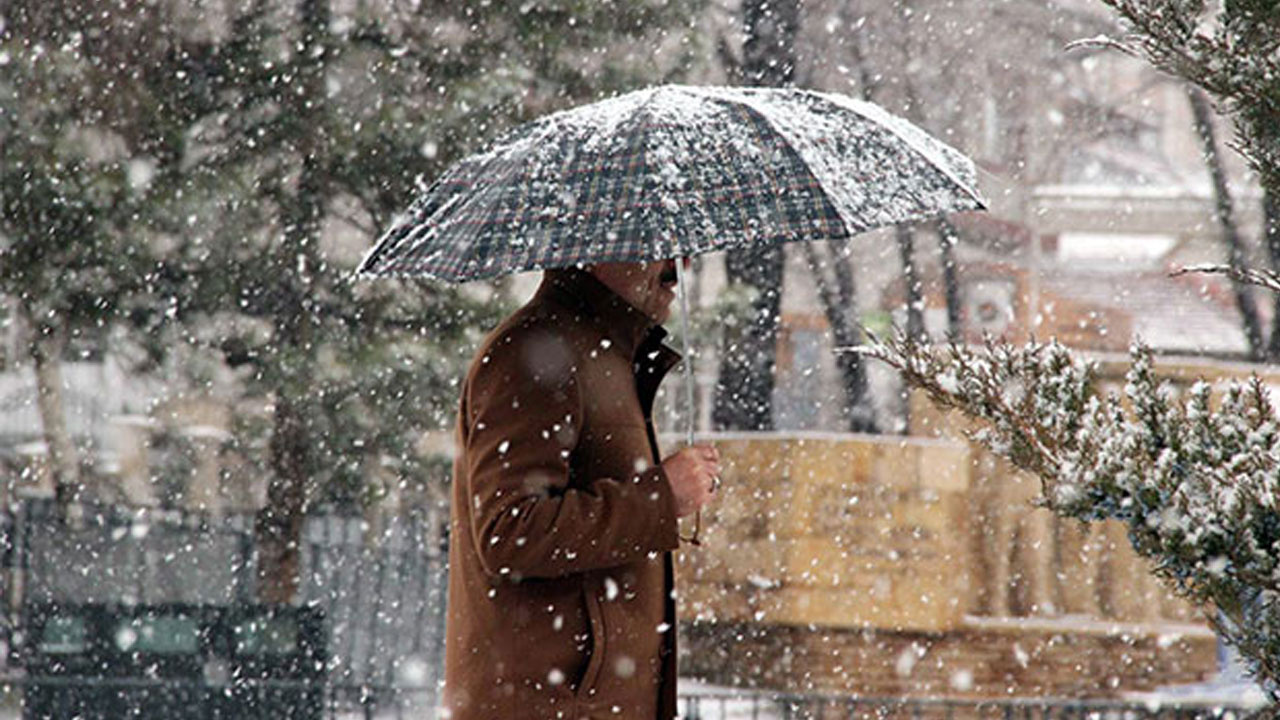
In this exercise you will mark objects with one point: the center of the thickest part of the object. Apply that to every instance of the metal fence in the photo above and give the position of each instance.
(334, 702)
(380, 585)
(384, 596)
(415, 703)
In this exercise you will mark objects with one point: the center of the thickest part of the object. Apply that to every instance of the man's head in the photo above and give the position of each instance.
(649, 287)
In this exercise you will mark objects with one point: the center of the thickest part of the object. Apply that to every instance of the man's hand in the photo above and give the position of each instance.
(694, 474)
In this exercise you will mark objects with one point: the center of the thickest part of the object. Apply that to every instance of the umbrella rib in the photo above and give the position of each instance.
(747, 103)
(883, 118)
(695, 195)
(389, 245)
(697, 192)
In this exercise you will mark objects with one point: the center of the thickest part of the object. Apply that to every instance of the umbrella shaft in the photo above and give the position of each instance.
(682, 286)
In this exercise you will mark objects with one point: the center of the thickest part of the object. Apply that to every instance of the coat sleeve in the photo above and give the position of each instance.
(524, 416)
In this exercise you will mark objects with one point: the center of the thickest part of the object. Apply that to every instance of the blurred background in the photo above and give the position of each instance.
(199, 405)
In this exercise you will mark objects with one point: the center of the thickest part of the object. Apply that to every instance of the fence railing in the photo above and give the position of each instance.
(109, 698)
(381, 587)
(355, 702)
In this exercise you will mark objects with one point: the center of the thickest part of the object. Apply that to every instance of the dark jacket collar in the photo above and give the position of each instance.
(625, 325)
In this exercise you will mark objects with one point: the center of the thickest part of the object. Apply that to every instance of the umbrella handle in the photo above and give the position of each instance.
(697, 530)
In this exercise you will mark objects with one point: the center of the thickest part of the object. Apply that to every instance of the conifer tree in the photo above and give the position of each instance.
(1196, 479)
(279, 136)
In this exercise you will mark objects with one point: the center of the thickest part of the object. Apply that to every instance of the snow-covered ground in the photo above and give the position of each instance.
(711, 702)
(1232, 685)
(704, 701)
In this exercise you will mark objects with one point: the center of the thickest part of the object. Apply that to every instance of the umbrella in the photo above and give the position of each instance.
(669, 172)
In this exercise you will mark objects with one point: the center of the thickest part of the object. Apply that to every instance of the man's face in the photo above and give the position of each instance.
(649, 287)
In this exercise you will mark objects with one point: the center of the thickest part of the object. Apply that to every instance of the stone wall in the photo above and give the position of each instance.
(979, 659)
(1028, 562)
(844, 533)
(914, 566)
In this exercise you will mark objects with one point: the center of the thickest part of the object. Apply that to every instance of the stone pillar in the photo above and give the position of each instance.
(132, 437)
(36, 479)
(1036, 562)
(1130, 592)
(1079, 551)
(993, 532)
(1017, 549)
(204, 490)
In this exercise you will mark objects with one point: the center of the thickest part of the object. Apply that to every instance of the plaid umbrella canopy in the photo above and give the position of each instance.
(674, 171)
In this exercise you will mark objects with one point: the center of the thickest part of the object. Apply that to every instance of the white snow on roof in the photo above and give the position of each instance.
(1090, 190)
(204, 432)
(1170, 314)
(1116, 250)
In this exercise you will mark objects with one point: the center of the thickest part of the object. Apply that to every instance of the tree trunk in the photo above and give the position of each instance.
(839, 304)
(744, 391)
(947, 237)
(768, 52)
(1271, 231)
(64, 463)
(278, 526)
(911, 277)
(1203, 114)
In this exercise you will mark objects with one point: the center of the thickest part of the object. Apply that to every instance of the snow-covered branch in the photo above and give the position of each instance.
(1196, 484)
(1231, 50)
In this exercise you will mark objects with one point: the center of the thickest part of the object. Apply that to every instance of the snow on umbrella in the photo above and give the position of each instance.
(674, 171)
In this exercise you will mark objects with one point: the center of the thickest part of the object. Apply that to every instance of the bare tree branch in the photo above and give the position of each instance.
(1261, 277)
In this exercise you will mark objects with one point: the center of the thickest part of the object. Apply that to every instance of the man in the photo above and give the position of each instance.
(560, 585)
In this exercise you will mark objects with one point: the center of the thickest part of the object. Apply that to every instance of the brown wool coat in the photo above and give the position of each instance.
(560, 569)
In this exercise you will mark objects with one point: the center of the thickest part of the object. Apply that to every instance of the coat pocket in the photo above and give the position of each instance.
(595, 661)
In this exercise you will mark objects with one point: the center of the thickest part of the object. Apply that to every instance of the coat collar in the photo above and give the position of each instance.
(625, 325)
